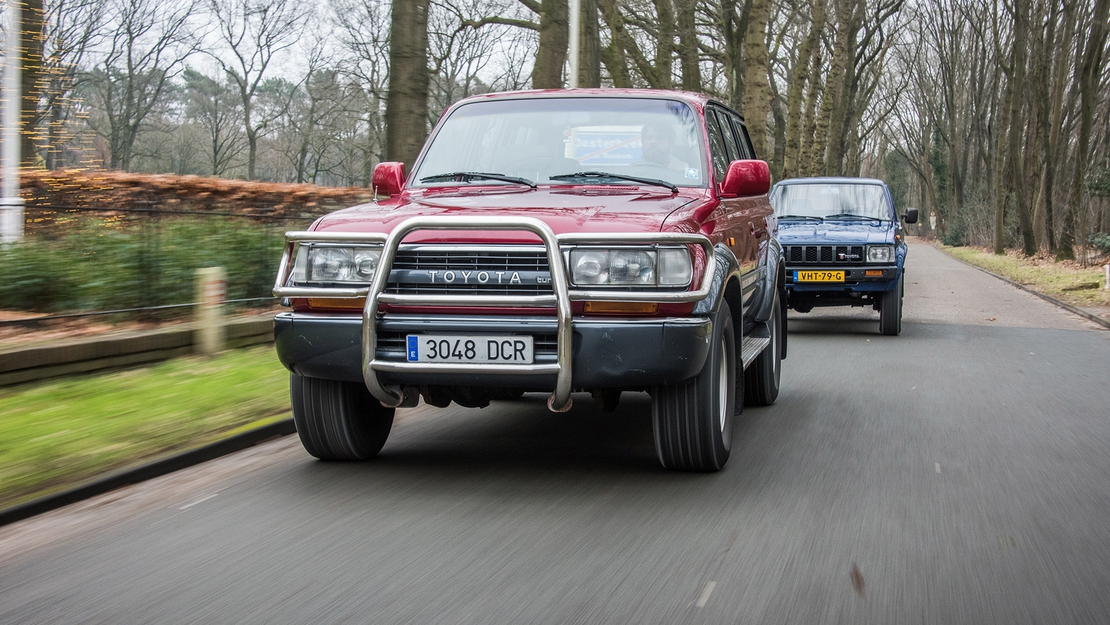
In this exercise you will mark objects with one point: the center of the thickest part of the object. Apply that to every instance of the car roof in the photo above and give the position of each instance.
(698, 100)
(832, 180)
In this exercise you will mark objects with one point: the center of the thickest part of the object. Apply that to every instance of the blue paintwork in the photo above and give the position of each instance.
(870, 232)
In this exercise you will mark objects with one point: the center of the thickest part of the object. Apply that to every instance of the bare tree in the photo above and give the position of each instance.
(253, 33)
(147, 45)
(213, 103)
(70, 29)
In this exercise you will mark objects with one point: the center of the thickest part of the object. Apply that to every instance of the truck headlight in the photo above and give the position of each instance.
(333, 263)
(880, 253)
(631, 267)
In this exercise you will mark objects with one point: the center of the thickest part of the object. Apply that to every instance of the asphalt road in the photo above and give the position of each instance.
(958, 473)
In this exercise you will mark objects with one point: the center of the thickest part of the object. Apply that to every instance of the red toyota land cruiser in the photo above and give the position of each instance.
(555, 241)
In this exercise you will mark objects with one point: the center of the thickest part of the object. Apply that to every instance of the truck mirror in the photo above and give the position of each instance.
(389, 178)
(746, 177)
(911, 215)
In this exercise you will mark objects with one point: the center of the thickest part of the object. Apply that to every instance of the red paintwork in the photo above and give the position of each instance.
(389, 178)
(746, 178)
(739, 222)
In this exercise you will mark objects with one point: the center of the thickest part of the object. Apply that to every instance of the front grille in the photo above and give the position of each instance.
(835, 254)
(413, 268)
(467, 260)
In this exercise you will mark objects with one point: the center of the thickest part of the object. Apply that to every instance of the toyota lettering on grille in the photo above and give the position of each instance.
(474, 277)
(844, 256)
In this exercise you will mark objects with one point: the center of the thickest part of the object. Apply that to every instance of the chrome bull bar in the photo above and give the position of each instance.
(561, 297)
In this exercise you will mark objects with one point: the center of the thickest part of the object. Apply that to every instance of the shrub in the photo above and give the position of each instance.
(1101, 242)
(99, 264)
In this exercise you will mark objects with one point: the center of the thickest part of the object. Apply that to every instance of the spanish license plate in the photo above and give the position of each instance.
(818, 276)
(515, 350)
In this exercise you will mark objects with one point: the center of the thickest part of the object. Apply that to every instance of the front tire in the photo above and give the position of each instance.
(338, 420)
(692, 420)
(890, 310)
(761, 380)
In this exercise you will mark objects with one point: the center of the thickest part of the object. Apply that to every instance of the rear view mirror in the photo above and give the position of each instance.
(911, 216)
(389, 178)
(747, 177)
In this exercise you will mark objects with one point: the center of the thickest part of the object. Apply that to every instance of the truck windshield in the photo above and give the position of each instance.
(545, 140)
(835, 201)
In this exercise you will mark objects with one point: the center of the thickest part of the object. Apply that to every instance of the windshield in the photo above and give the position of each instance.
(831, 201)
(536, 139)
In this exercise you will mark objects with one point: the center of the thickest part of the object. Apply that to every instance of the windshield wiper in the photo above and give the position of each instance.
(604, 174)
(806, 217)
(467, 176)
(851, 216)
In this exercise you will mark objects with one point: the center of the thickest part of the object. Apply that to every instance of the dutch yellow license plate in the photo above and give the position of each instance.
(818, 276)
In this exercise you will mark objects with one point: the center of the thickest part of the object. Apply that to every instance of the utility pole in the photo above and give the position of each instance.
(575, 36)
(11, 205)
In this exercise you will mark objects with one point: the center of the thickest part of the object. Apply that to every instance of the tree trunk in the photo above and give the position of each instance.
(1088, 73)
(757, 91)
(406, 109)
(664, 44)
(31, 36)
(807, 157)
(589, 48)
(1000, 189)
(809, 48)
(838, 87)
(688, 45)
(1016, 88)
(547, 73)
(735, 31)
(833, 87)
(614, 56)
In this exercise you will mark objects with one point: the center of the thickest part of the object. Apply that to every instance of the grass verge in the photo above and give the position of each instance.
(1058, 279)
(57, 434)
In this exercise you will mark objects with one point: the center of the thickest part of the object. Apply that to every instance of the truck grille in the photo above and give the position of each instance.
(476, 260)
(497, 263)
(834, 254)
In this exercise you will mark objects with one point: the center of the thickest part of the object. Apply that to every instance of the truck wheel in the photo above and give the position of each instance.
(890, 310)
(761, 380)
(692, 421)
(338, 420)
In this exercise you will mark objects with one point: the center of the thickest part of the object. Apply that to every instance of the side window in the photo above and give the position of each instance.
(743, 139)
(730, 138)
(716, 145)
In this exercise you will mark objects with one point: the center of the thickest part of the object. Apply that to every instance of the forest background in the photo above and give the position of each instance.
(992, 116)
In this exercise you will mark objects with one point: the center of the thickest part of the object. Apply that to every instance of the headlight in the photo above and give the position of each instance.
(631, 267)
(880, 253)
(330, 263)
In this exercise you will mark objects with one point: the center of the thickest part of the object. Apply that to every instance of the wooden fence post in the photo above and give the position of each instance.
(211, 284)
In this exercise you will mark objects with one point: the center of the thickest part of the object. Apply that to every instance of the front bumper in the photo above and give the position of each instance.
(855, 279)
(606, 352)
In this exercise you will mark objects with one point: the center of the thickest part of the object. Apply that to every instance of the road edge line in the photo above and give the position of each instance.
(151, 470)
(1047, 298)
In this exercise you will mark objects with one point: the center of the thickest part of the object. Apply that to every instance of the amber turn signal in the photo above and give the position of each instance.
(636, 308)
(874, 273)
(336, 303)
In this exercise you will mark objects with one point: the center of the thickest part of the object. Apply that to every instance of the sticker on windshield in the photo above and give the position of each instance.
(692, 173)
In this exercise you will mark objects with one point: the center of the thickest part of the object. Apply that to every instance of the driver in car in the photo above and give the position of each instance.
(656, 140)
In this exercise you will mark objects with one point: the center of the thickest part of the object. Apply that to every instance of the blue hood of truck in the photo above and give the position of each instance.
(833, 232)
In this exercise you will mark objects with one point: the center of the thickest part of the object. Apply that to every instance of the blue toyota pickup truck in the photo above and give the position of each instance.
(844, 246)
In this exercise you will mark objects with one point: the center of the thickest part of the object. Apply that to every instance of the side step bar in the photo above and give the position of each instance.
(751, 347)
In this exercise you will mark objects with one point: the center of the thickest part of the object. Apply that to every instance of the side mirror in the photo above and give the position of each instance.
(748, 177)
(389, 178)
(911, 215)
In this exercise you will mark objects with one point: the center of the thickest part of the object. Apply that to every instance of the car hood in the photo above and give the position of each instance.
(607, 208)
(810, 232)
